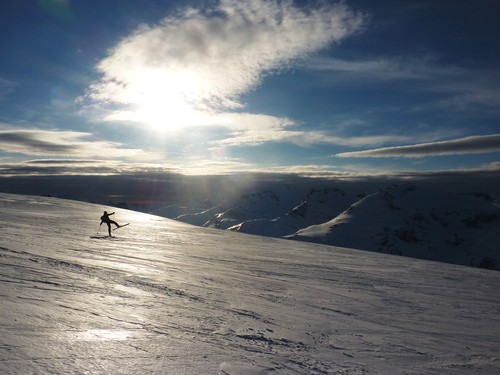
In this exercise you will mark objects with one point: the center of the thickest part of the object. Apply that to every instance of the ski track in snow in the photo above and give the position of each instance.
(163, 297)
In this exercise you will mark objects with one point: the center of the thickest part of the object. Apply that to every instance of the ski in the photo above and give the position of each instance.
(121, 226)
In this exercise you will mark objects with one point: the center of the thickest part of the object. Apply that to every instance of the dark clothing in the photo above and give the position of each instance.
(105, 219)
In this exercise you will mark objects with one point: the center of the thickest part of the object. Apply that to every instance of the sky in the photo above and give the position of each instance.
(318, 88)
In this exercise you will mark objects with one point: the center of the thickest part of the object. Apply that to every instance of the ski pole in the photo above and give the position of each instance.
(98, 228)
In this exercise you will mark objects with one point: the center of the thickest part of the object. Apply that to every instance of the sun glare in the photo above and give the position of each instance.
(164, 100)
(172, 114)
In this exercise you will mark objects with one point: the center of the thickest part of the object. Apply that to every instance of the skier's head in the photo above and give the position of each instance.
(105, 213)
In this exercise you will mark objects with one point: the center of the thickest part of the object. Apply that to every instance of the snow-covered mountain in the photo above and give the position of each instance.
(400, 219)
(164, 297)
(265, 205)
(404, 220)
(318, 206)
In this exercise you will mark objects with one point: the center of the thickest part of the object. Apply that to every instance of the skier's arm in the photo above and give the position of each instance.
(112, 213)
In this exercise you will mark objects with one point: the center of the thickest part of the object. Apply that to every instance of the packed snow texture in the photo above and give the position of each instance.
(401, 219)
(164, 297)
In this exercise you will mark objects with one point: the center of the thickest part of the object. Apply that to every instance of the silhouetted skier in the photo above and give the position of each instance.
(105, 219)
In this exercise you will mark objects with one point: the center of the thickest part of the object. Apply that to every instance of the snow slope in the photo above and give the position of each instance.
(164, 297)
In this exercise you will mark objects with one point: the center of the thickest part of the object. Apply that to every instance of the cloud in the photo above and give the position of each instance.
(185, 166)
(379, 69)
(473, 96)
(58, 167)
(462, 88)
(211, 167)
(254, 129)
(495, 166)
(64, 144)
(308, 138)
(249, 129)
(6, 87)
(197, 64)
(383, 69)
(461, 146)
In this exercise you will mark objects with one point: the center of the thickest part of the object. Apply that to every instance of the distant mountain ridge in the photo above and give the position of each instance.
(400, 219)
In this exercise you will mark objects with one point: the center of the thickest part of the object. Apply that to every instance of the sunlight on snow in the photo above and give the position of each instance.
(135, 218)
(106, 334)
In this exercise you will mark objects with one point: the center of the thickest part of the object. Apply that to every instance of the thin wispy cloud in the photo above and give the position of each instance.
(286, 130)
(381, 69)
(191, 69)
(390, 68)
(462, 88)
(6, 87)
(473, 97)
(255, 129)
(65, 144)
(310, 138)
(462, 146)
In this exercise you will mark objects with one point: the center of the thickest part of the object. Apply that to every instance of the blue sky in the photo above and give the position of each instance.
(317, 88)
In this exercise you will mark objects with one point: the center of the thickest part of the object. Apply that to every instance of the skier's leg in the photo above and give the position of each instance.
(109, 229)
(114, 222)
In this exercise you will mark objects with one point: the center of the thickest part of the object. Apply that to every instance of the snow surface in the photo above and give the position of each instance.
(164, 297)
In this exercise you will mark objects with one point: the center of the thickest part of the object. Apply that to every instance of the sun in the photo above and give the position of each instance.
(168, 114)
(164, 101)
